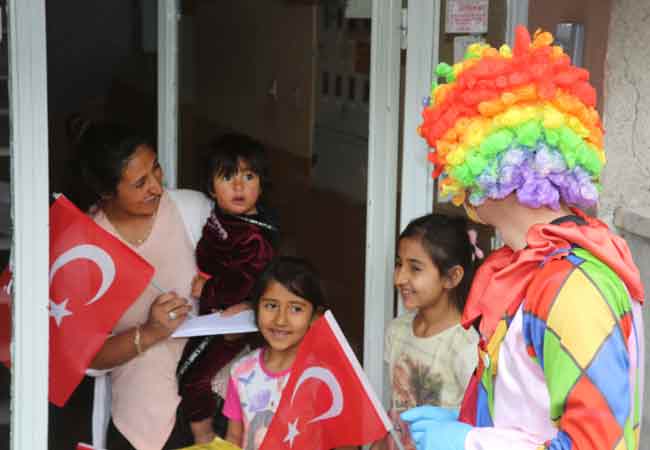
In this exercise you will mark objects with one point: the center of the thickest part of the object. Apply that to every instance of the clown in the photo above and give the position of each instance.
(518, 142)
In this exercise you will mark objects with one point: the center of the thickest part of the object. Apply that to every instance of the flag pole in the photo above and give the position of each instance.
(155, 285)
(381, 412)
(396, 438)
(162, 291)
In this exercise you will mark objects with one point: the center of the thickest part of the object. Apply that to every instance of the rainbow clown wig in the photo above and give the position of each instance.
(521, 121)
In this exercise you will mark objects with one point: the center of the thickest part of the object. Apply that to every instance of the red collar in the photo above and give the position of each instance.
(500, 283)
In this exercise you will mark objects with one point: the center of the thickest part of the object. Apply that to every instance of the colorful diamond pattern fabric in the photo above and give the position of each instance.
(577, 323)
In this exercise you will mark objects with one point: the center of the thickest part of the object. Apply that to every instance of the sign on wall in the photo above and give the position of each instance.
(466, 16)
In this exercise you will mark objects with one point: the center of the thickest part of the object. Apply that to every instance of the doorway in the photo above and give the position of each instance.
(338, 211)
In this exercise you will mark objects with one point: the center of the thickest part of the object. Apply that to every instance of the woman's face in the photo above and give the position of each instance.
(139, 190)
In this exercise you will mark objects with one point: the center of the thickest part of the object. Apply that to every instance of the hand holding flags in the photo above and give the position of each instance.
(94, 278)
(327, 401)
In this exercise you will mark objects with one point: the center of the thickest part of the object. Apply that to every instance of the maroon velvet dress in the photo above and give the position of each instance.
(234, 250)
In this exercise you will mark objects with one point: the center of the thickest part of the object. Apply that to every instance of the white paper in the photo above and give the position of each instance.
(209, 324)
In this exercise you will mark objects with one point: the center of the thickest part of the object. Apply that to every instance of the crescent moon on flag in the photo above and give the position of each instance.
(327, 377)
(86, 251)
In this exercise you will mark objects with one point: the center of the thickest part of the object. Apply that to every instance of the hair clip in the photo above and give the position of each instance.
(477, 253)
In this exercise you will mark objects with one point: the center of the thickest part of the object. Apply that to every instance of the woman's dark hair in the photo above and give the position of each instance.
(103, 149)
(446, 241)
(225, 153)
(297, 275)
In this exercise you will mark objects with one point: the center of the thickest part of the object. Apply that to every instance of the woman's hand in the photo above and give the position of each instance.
(166, 314)
(197, 285)
(160, 325)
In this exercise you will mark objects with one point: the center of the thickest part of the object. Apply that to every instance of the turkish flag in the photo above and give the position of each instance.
(327, 401)
(94, 278)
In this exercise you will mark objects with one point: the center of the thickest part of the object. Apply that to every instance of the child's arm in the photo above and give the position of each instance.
(235, 432)
(233, 411)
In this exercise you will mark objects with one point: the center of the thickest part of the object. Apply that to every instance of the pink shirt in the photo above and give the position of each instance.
(253, 396)
(144, 389)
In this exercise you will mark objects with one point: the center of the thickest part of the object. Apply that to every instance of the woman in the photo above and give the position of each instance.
(123, 172)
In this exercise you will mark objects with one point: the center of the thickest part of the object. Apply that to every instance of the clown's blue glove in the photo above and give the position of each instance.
(434, 428)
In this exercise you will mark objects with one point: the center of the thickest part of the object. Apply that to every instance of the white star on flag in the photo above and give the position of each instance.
(59, 311)
(292, 432)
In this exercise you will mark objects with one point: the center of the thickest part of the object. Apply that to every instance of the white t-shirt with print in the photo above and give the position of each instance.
(432, 370)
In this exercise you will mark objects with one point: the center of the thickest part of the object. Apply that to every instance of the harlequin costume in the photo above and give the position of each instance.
(561, 351)
(233, 250)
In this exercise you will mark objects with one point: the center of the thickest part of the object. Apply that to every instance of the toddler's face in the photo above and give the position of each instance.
(238, 193)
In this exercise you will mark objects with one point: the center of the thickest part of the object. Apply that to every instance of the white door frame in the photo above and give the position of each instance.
(168, 18)
(382, 184)
(30, 207)
(516, 14)
(421, 57)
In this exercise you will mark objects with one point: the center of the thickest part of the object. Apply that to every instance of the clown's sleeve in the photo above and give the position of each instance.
(581, 334)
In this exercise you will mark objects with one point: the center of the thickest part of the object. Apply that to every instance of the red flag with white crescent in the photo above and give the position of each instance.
(327, 401)
(94, 278)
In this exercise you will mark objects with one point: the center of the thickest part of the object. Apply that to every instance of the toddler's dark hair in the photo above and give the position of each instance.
(297, 275)
(225, 153)
(446, 241)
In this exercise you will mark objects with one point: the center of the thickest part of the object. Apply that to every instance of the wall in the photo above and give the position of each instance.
(85, 42)
(255, 70)
(626, 182)
(594, 16)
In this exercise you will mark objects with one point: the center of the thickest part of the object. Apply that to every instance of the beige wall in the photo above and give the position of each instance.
(241, 48)
(626, 181)
(627, 109)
